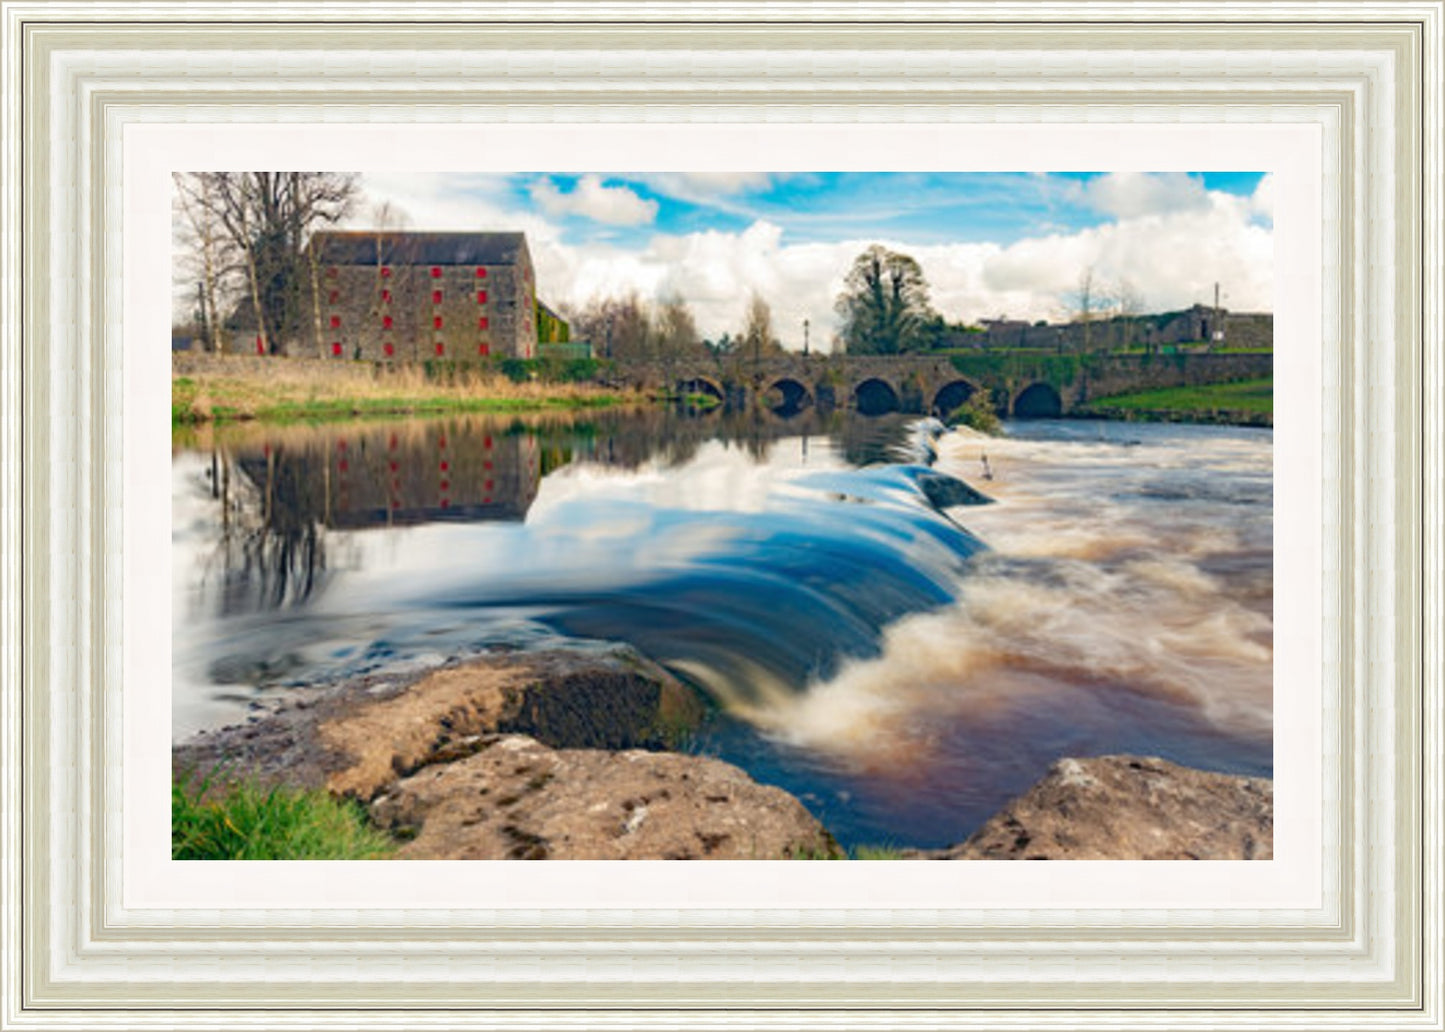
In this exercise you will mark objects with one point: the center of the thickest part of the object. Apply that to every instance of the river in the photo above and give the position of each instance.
(902, 627)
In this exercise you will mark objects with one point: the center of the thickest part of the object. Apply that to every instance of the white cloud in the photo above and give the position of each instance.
(590, 198)
(1171, 258)
(1130, 194)
(714, 182)
(1263, 199)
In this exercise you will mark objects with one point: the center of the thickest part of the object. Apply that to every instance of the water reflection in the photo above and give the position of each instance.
(279, 489)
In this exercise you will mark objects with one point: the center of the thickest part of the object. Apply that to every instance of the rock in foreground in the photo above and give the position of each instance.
(514, 798)
(1129, 808)
(357, 737)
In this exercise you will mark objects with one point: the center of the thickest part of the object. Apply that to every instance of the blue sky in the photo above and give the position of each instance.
(991, 244)
(921, 207)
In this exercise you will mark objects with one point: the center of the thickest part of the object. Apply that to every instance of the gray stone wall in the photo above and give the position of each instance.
(418, 312)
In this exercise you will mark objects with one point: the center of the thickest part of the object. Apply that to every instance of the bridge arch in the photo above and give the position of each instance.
(702, 385)
(951, 395)
(874, 397)
(1038, 401)
(786, 396)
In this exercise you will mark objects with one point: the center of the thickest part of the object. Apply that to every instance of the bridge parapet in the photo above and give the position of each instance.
(1045, 383)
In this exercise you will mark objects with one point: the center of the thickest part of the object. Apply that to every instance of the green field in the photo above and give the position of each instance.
(1251, 399)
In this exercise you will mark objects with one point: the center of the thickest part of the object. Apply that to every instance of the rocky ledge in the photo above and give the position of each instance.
(1128, 808)
(562, 755)
(530, 755)
(514, 798)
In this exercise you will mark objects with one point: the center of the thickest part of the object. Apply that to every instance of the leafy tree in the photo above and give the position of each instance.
(884, 304)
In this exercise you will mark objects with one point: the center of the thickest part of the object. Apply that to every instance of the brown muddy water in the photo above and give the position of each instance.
(897, 655)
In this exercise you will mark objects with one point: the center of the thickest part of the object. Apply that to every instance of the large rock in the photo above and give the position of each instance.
(514, 798)
(1129, 808)
(355, 738)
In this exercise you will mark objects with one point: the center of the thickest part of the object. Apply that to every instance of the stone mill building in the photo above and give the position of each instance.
(413, 296)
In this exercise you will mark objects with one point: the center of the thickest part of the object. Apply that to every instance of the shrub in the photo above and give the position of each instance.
(977, 414)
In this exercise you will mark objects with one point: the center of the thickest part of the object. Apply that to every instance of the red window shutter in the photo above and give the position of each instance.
(483, 323)
(386, 297)
(441, 348)
(336, 348)
(481, 297)
(389, 349)
(481, 273)
(386, 322)
(260, 345)
(335, 321)
(436, 272)
(488, 485)
(484, 349)
(437, 322)
(333, 297)
(385, 271)
(331, 272)
(436, 297)
(445, 485)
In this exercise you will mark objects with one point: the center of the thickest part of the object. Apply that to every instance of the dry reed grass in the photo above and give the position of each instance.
(211, 386)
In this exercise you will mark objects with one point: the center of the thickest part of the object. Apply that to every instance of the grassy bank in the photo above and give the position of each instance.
(246, 822)
(283, 390)
(1246, 402)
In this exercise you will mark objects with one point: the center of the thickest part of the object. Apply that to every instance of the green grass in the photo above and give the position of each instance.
(247, 822)
(322, 410)
(876, 853)
(1249, 397)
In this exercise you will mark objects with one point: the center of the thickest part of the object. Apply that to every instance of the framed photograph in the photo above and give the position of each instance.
(776, 437)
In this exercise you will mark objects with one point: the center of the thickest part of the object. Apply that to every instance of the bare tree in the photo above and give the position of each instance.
(207, 251)
(270, 217)
(618, 327)
(758, 341)
(1089, 299)
(674, 332)
(1130, 305)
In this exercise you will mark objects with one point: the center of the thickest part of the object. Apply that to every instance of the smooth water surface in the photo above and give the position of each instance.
(901, 657)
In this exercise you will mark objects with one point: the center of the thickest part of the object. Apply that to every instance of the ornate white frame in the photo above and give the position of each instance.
(1369, 75)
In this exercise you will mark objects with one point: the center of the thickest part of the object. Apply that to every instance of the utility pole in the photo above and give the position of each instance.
(805, 338)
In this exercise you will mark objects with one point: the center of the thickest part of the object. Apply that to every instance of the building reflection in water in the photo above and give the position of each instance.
(281, 489)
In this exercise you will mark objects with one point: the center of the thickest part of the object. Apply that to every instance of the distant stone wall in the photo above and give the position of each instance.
(1191, 326)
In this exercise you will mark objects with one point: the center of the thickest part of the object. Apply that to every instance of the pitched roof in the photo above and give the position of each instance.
(402, 248)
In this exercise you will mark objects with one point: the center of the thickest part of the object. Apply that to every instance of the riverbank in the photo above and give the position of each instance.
(211, 388)
(567, 754)
(1241, 403)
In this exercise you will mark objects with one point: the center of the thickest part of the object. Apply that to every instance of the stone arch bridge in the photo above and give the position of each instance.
(1014, 384)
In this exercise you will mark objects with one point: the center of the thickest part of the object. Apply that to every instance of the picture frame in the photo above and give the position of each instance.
(83, 83)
